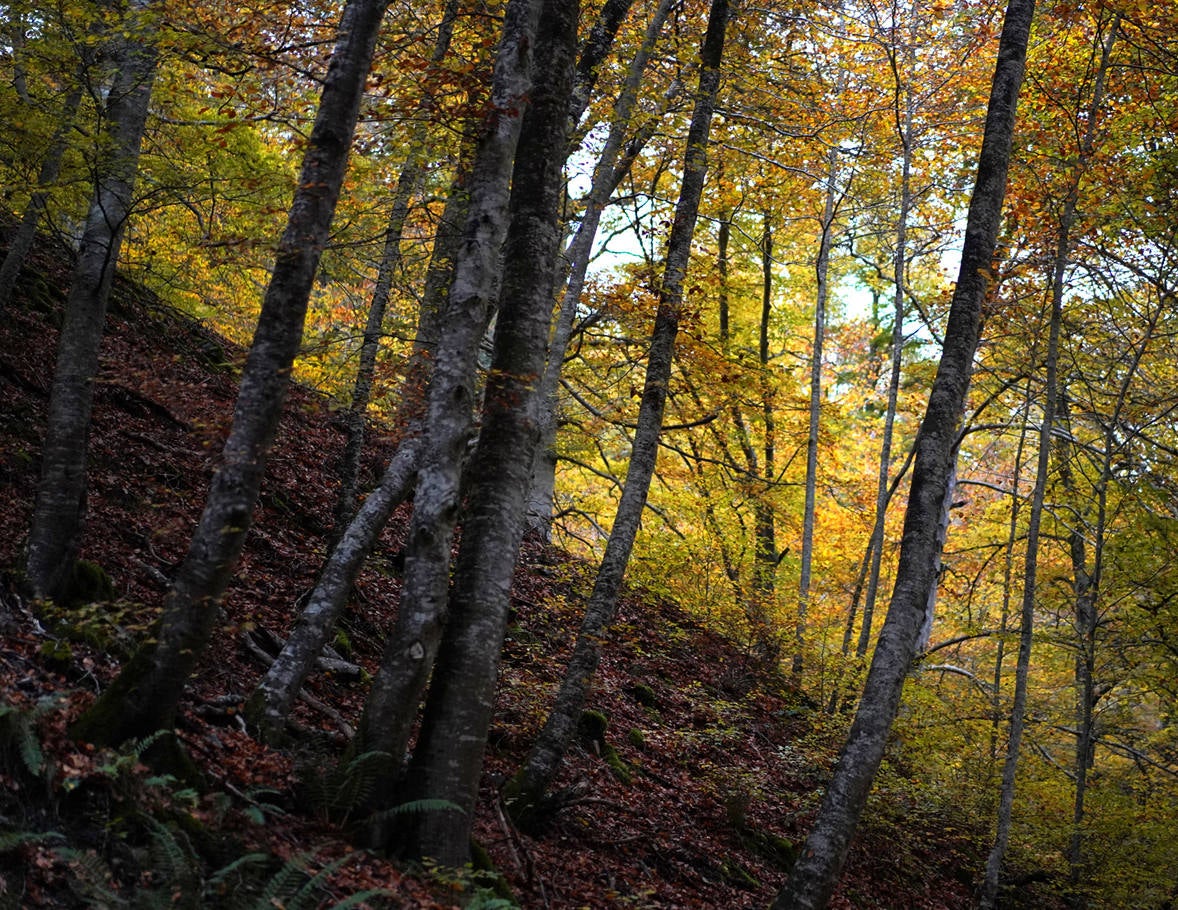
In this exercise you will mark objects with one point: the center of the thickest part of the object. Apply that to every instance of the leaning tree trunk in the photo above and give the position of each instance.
(605, 179)
(61, 494)
(408, 183)
(269, 706)
(411, 649)
(526, 791)
(145, 695)
(816, 872)
(447, 762)
(26, 233)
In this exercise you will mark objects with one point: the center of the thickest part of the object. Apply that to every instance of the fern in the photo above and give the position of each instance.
(414, 806)
(337, 795)
(14, 840)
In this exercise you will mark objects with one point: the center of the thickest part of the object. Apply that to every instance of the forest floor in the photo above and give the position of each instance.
(709, 772)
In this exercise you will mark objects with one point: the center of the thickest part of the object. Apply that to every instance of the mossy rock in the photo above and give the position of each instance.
(617, 765)
(636, 738)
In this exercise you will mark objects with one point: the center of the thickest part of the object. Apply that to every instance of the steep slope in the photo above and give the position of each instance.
(695, 775)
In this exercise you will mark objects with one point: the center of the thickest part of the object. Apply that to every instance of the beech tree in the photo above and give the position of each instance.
(447, 760)
(145, 695)
(61, 494)
(526, 792)
(816, 872)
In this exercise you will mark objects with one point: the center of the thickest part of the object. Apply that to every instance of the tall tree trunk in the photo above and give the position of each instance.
(26, 233)
(1085, 594)
(270, 703)
(61, 495)
(146, 693)
(411, 649)
(822, 271)
(527, 789)
(408, 183)
(989, 890)
(899, 280)
(448, 759)
(606, 176)
(816, 872)
(764, 519)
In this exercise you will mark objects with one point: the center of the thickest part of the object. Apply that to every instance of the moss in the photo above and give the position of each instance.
(486, 876)
(88, 583)
(592, 726)
(644, 695)
(636, 738)
(617, 764)
(738, 875)
(775, 849)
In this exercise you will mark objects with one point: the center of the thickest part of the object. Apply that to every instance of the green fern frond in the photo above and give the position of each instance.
(13, 840)
(415, 806)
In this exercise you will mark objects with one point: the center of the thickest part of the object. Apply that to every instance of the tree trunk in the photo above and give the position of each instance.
(816, 872)
(448, 759)
(26, 233)
(1085, 590)
(765, 521)
(411, 649)
(899, 279)
(408, 183)
(145, 695)
(526, 791)
(606, 176)
(61, 495)
(271, 701)
(822, 269)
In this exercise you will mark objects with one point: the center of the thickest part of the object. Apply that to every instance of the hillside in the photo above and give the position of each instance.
(705, 778)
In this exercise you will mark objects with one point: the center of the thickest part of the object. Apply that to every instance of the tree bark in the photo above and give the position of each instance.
(408, 184)
(270, 703)
(61, 494)
(448, 759)
(822, 270)
(606, 176)
(26, 233)
(816, 872)
(146, 693)
(526, 791)
(412, 647)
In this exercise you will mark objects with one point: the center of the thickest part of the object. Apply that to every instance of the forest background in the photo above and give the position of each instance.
(842, 152)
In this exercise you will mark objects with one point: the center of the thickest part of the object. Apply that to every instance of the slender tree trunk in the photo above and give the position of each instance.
(447, 762)
(1085, 601)
(61, 495)
(411, 649)
(1012, 535)
(527, 789)
(408, 184)
(822, 270)
(271, 701)
(26, 233)
(816, 872)
(145, 695)
(606, 176)
(899, 279)
(764, 518)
